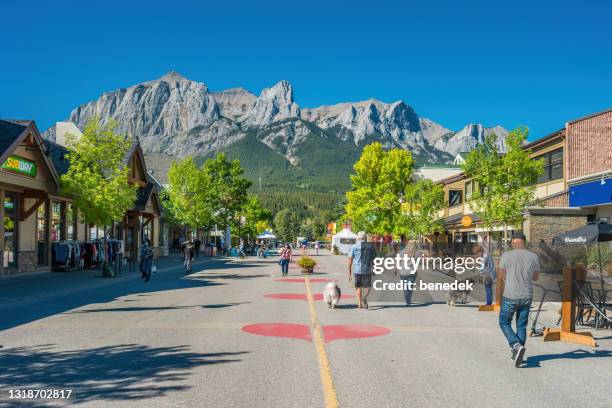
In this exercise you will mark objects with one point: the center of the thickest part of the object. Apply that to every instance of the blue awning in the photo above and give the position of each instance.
(591, 193)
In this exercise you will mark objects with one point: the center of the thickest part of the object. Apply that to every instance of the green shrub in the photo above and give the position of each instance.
(306, 262)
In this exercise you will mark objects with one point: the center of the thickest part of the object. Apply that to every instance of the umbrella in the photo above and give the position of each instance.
(592, 233)
(586, 235)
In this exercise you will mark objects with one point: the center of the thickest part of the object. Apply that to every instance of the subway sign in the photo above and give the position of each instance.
(20, 165)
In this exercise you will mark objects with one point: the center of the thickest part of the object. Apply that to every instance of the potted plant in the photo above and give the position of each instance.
(307, 264)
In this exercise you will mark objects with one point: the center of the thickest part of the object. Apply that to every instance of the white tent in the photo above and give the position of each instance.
(344, 240)
(266, 235)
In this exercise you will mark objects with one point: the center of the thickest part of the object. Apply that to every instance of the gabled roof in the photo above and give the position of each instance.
(10, 130)
(58, 155)
(14, 132)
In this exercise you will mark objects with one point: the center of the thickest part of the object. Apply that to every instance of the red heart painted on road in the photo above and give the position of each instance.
(302, 331)
(300, 296)
(290, 330)
(301, 280)
(352, 331)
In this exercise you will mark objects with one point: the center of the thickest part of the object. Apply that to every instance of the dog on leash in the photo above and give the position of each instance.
(454, 296)
(331, 295)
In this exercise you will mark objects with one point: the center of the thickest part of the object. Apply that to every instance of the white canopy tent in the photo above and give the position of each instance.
(344, 240)
(266, 235)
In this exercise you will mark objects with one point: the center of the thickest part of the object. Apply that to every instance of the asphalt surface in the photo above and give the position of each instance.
(178, 341)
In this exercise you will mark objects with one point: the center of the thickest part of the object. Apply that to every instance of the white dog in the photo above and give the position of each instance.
(331, 294)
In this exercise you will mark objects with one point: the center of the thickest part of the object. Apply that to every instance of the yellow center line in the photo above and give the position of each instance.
(329, 391)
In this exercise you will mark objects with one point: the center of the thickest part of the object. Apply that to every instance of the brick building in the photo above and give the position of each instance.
(575, 188)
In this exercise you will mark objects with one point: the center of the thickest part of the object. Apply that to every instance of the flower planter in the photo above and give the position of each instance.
(307, 270)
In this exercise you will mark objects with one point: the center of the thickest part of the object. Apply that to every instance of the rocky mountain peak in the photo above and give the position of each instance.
(273, 104)
(173, 76)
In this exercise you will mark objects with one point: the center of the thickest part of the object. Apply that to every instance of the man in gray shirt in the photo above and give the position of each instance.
(518, 269)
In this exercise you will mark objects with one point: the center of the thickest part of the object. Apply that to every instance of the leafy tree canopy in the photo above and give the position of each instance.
(97, 178)
(505, 184)
(379, 184)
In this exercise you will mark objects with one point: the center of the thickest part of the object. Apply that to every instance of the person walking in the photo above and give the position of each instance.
(197, 245)
(407, 276)
(285, 258)
(361, 257)
(146, 260)
(317, 247)
(487, 273)
(188, 256)
(518, 269)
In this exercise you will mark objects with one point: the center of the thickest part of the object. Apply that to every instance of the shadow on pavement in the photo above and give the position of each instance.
(113, 373)
(226, 276)
(534, 361)
(223, 305)
(67, 298)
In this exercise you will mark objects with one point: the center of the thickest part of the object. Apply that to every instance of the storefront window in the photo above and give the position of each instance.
(57, 221)
(146, 232)
(72, 222)
(9, 258)
(41, 233)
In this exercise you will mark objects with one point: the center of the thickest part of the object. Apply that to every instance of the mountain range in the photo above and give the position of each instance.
(276, 140)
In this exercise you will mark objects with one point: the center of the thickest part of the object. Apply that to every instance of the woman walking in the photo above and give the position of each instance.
(487, 273)
(146, 260)
(285, 258)
(189, 253)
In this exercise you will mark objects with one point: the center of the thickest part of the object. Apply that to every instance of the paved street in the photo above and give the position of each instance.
(233, 335)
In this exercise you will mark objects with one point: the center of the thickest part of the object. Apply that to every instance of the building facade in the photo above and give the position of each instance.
(36, 214)
(575, 188)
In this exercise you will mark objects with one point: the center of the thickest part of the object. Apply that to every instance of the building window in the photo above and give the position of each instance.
(553, 166)
(147, 231)
(57, 221)
(455, 197)
(72, 222)
(469, 188)
(9, 258)
(41, 233)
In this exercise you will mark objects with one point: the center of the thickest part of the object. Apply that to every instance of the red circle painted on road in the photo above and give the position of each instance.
(301, 280)
(302, 331)
(352, 331)
(288, 330)
(300, 296)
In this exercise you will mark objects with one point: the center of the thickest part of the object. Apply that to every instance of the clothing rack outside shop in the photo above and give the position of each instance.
(92, 254)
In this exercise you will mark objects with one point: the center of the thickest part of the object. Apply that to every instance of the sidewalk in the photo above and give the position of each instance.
(35, 286)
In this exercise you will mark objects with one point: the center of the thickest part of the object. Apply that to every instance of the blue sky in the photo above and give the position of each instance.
(534, 63)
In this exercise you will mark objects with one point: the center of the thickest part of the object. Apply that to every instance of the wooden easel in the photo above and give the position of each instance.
(567, 332)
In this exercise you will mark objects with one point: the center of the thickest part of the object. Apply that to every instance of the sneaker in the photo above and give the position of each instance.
(514, 351)
(518, 357)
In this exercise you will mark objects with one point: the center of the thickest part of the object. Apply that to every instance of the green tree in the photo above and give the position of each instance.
(422, 203)
(228, 187)
(379, 184)
(97, 178)
(286, 225)
(505, 183)
(188, 197)
(253, 214)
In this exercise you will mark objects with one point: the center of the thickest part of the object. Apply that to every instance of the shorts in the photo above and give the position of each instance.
(363, 280)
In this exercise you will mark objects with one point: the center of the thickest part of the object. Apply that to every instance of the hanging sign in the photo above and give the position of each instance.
(20, 165)
(466, 221)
